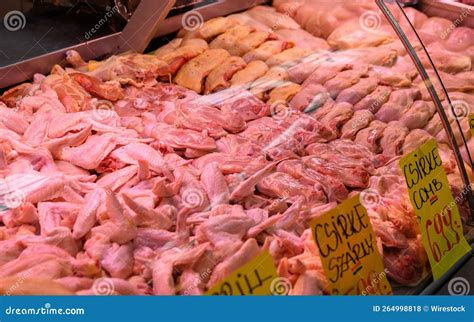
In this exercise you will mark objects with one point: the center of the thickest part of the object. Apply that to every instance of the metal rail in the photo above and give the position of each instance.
(144, 24)
(434, 96)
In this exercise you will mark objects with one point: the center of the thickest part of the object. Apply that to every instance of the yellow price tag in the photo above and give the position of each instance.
(257, 277)
(430, 195)
(348, 250)
(471, 123)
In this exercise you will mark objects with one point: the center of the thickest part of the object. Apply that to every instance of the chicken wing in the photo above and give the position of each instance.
(93, 85)
(70, 93)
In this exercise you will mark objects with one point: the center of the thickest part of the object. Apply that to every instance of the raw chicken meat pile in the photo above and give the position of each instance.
(163, 173)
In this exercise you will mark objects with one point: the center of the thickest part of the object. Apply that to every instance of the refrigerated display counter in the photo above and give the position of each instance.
(177, 148)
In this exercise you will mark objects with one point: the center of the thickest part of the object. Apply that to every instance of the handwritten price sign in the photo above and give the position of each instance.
(253, 278)
(435, 207)
(348, 250)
